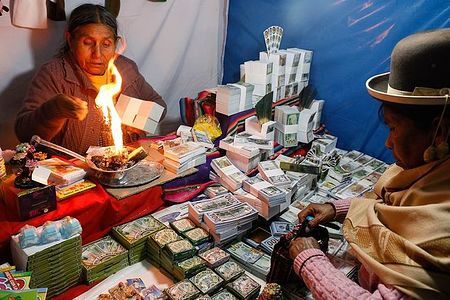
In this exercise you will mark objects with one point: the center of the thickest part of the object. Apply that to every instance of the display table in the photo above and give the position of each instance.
(96, 210)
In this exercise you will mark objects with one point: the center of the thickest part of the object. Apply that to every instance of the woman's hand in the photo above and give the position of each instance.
(322, 213)
(299, 244)
(66, 107)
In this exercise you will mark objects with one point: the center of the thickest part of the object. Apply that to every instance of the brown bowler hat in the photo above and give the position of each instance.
(420, 71)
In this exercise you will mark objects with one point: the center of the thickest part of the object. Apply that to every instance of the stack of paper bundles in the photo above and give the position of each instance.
(344, 169)
(279, 68)
(279, 93)
(259, 74)
(133, 235)
(304, 64)
(292, 89)
(263, 208)
(317, 107)
(252, 259)
(326, 143)
(202, 138)
(288, 197)
(228, 144)
(249, 140)
(362, 172)
(245, 101)
(207, 281)
(305, 126)
(234, 98)
(303, 179)
(184, 156)
(277, 59)
(229, 271)
(292, 61)
(288, 89)
(353, 189)
(264, 190)
(140, 114)
(245, 158)
(231, 176)
(228, 99)
(264, 131)
(197, 209)
(270, 171)
(56, 265)
(225, 235)
(230, 221)
(156, 242)
(242, 162)
(215, 190)
(327, 186)
(214, 177)
(185, 290)
(103, 258)
(188, 267)
(175, 252)
(286, 126)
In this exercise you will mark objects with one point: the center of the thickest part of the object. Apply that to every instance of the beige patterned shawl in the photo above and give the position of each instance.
(404, 237)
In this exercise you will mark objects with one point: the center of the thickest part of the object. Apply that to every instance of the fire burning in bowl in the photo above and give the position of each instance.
(110, 159)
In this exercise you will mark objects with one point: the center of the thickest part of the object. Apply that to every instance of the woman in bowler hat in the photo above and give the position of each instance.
(402, 238)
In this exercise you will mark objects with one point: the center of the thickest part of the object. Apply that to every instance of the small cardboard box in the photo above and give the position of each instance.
(34, 202)
(140, 114)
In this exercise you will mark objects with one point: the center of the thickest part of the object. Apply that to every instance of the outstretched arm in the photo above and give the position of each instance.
(326, 282)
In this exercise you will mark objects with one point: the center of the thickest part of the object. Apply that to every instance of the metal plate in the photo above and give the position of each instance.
(143, 172)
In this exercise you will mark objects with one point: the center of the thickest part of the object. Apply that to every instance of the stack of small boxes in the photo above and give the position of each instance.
(285, 73)
(56, 266)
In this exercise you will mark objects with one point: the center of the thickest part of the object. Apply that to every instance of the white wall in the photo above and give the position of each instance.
(178, 46)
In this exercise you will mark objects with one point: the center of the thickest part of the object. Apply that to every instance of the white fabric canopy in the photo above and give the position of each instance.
(178, 46)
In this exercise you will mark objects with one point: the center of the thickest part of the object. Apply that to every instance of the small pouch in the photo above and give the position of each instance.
(281, 266)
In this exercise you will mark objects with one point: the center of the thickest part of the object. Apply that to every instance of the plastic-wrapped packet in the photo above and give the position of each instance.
(70, 227)
(28, 236)
(50, 233)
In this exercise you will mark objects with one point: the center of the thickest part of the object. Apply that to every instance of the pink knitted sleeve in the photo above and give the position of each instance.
(326, 282)
(341, 208)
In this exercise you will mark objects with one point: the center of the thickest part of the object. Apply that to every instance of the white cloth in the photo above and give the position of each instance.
(30, 14)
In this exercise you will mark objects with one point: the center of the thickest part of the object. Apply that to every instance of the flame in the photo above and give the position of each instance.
(104, 100)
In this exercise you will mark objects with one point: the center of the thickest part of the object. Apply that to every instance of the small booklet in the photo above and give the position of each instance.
(58, 172)
(67, 191)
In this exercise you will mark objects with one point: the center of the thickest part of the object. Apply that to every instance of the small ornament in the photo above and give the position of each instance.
(25, 160)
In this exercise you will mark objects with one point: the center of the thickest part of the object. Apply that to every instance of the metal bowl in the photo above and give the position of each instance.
(107, 175)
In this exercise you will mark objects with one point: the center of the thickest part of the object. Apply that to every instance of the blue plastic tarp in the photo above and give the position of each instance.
(351, 40)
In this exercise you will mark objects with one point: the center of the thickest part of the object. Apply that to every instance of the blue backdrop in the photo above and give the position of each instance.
(351, 40)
